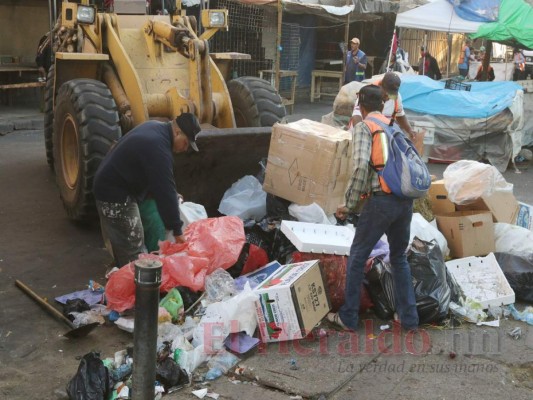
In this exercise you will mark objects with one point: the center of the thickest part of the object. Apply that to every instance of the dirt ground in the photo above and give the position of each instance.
(40, 247)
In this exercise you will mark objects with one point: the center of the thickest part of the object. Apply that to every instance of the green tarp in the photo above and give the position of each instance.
(514, 26)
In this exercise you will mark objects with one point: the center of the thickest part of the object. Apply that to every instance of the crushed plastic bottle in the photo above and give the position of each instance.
(220, 364)
(526, 315)
(219, 285)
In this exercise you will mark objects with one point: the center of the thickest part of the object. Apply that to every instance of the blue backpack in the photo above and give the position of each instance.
(404, 171)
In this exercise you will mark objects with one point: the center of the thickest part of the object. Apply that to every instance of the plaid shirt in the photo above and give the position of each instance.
(364, 179)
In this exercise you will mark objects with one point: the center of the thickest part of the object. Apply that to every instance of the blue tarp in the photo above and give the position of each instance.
(424, 95)
(477, 10)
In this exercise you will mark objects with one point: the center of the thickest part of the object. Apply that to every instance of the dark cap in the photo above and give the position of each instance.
(189, 125)
(391, 83)
(371, 98)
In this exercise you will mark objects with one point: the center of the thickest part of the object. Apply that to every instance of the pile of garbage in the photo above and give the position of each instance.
(232, 285)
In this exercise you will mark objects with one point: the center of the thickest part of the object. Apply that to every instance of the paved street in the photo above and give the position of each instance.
(40, 247)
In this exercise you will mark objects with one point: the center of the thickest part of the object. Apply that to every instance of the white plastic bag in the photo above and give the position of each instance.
(190, 212)
(245, 199)
(467, 181)
(513, 239)
(310, 213)
(230, 316)
(426, 231)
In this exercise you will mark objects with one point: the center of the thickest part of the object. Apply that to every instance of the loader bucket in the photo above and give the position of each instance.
(225, 156)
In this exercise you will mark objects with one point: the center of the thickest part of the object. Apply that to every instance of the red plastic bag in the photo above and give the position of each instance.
(334, 271)
(211, 243)
(257, 257)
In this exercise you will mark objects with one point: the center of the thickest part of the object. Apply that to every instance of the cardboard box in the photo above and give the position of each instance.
(319, 238)
(481, 279)
(502, 205)
(524, 216)
(291, 302)
(469, 233)
(309, 162)
(257, 277)
(438, 197)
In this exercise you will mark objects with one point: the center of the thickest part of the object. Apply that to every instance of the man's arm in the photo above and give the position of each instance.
(361, 150)
(406, 126)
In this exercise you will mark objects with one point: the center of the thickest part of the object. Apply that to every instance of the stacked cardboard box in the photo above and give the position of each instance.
(309, 162)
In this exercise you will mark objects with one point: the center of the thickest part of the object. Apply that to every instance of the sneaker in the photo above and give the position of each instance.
(335, 319)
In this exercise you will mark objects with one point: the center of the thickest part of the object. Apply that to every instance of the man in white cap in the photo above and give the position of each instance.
(393, 106)
(141, 164)
(355, 63)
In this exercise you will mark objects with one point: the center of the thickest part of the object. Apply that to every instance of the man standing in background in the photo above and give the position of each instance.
(355, 63)
(465, 58)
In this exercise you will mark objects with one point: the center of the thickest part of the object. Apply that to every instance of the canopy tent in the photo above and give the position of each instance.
(514, 25)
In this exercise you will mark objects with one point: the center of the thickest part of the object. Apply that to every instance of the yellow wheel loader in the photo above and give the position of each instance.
(113, 72)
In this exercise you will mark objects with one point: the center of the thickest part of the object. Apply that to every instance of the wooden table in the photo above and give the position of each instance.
(316, 82)
(293, 75)
(8, 72)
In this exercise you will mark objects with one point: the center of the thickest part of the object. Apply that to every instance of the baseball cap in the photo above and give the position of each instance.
(355, 40)
(189, 125)
(391, 83)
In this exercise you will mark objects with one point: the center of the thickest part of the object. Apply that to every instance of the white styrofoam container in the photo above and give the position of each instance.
(482, 280)
(319, 238)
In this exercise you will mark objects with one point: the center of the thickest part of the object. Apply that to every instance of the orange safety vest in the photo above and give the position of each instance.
(380, 147)
(462, 57)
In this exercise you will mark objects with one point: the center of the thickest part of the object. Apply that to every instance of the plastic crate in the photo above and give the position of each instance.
(456, 85)
(482, 280)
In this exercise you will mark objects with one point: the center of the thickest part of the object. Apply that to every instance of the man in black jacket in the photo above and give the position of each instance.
(427, 65)
(141, 163)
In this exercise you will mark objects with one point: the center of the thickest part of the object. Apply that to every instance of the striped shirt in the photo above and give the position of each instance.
(364, 179)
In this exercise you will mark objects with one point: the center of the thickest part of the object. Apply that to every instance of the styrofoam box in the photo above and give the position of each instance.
(482, 280)
(319, 238)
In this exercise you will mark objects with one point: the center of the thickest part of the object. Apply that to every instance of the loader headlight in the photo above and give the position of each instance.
(215, 18)
(85, 14)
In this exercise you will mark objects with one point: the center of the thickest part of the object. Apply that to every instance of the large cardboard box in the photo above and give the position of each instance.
(469, 233)
(309, 162)
(438, 197)
(291, 302)
(502, 205)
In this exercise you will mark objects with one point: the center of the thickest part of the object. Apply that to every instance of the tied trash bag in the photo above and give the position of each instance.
(92, 381)
(245, 199)
(380, 288)
(467, 181)
(211, 243)
(518, 269)
(432, 292)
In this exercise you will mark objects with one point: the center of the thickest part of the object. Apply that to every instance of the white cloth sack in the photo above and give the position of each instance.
(513, 239)
(245, 199)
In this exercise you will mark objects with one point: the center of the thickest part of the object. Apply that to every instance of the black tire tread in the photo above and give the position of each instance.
(264, 104)
(98, 129)
(49, 117)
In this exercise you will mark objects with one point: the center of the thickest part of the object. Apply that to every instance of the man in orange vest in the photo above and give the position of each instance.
(382, 213)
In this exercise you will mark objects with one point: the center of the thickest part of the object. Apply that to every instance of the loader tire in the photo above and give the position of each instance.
(255, 102)
(49, 117)
(86, 125)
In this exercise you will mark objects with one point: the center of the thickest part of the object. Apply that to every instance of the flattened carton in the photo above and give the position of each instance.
(291, 302)
(309, 162)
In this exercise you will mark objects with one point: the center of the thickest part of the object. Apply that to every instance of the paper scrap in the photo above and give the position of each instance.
(90, 297)
(200, 393)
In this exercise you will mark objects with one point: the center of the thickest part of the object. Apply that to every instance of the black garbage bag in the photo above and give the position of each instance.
(170, 374)
(188, 296)
(92, 381)
(75, 305)
(278, 207)
(432, 292)
(518, 269)
(381, 289)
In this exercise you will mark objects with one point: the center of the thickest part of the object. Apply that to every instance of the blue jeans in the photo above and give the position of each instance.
(388, 215)
(463, 72)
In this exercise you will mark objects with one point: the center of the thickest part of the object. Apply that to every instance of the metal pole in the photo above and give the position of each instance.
(347, 42)
(147, 282)
(278, 47)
